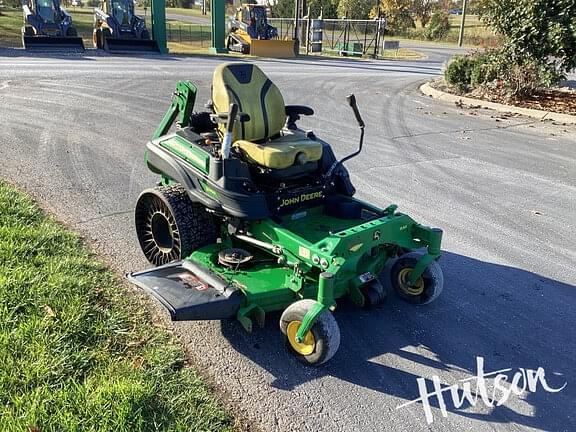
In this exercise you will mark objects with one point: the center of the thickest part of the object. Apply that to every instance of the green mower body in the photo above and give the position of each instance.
(234, 239)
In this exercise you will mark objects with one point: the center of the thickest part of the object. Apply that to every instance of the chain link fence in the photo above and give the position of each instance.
(341, 37)
(191, 35)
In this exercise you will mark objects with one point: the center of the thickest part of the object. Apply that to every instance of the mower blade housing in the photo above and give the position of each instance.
(190, 291)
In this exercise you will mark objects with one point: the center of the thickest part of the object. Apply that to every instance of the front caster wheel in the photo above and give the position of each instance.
(375, 294)
(428, 286)
(170, 226)
(320, 343)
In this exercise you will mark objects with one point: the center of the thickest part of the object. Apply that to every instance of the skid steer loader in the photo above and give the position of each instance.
(118, 29)
(250, 33)
(47, 26)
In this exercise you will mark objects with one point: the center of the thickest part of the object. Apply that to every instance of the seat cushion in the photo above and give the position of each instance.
(281, 152)
(248, 87)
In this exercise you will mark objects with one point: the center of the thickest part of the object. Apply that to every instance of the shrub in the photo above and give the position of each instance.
(459, 71)
(536, 29)
(521, 79)
(438, 27)
(486, 68)
(499, 72)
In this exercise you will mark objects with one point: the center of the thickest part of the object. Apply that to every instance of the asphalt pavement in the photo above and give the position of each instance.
(503, 189)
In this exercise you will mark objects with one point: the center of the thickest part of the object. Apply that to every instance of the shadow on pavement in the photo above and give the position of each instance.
(511, 317)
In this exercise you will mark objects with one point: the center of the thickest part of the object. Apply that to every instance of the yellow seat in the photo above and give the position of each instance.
(261, 139)
(282, 152)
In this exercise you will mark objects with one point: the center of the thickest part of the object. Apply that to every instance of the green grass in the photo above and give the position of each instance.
(77, 350)
(476, 33)
(196, 11)
(10, 25)
(11, 22)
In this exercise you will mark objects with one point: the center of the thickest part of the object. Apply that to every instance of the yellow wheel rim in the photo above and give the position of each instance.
(404, 283)
(306, 347)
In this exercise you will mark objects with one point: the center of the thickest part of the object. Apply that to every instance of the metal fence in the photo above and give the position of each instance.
(194, 35)
(353, 37)
(343, 37)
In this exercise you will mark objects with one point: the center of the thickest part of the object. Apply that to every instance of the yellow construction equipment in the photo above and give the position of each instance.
(250, 33)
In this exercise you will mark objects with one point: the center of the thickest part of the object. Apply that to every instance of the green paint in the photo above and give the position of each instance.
(218, 27)
(159, 24)
(180, 108)
(191, 153)
(309, 320)
(209, 190)
(310, 245)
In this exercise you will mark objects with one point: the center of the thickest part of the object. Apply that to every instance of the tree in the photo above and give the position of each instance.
(422, 10)
(397, 13)
(542, 30)
(438, 27)
(283, 9)
(355, 9)
(329, 8)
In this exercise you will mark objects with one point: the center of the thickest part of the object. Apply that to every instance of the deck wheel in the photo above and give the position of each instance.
(320, 343)
(427, 287)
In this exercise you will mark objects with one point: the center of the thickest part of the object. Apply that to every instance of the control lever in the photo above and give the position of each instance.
(351, 99)
(227, 141)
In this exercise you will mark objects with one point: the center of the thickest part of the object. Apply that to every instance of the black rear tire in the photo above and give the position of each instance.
(97, 39)
(72, 32)
(105, 34)
(27, 31)
(170, 226)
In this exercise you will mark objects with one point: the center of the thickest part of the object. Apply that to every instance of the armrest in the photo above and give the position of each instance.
(293, 112)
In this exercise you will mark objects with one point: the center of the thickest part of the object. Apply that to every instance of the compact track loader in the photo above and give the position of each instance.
(47, 26)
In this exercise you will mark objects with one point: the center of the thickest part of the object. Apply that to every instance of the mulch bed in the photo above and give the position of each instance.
(561, 100)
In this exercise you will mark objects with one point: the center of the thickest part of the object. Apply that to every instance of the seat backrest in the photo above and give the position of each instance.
(247, 86)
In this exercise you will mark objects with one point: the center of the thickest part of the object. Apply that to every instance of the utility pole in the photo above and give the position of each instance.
(461, 35)
(297, 6)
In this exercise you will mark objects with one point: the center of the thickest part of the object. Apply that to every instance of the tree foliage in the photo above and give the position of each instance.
(544, 30)
(422, 10)
(328, 8)
(438, 27)
(397, 12)
(355, 9)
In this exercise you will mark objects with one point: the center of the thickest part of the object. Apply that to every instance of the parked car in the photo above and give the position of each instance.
(76, 3)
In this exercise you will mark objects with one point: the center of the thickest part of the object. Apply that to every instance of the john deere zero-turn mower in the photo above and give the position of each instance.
(48, 26)
(253, 215)
(118, 29)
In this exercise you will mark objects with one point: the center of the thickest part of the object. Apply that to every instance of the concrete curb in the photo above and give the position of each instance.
(428, 90)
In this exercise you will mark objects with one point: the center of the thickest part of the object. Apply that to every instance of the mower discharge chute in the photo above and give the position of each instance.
(48, 27)
(253, 215)
(117, 29)
(250, 33)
